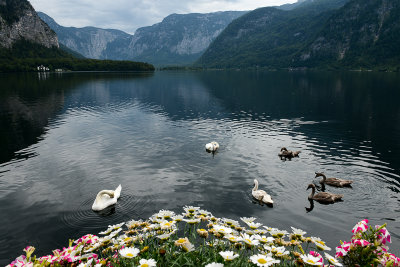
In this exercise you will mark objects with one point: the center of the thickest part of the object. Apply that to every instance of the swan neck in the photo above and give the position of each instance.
(312, 192)
(255, 185)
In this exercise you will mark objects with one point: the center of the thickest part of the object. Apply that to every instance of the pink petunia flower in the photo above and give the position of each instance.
(361, 226)
(390, 258)
(360, 242)
(383, 235)
(316, 255)
(342, 250)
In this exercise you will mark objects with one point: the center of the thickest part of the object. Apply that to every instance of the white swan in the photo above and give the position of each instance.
(261, 195)
(106, 198)
(212, 147)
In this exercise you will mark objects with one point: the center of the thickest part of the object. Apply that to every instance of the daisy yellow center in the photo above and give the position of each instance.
(310, 261)
(248, 240)
(181, 240)
(129, 254)
(144, 265)
(262, 261)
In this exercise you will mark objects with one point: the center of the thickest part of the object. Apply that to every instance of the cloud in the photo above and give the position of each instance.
(128, 15)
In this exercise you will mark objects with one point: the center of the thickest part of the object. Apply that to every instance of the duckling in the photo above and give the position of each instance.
(323, 197)
(261, 195)
(333, 181)
(284, 153)
(212, 147)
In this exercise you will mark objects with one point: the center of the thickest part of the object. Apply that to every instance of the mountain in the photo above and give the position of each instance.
(178, 39)
(269, 37)
(27, 42)
(363, 34)
(19, 21)
(91, 42)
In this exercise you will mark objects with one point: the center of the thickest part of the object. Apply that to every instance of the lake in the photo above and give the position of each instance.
(65, 137)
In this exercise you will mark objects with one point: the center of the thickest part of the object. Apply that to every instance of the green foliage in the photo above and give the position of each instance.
(26, 56)
(12, 10)
(268, 37)
(329, 34)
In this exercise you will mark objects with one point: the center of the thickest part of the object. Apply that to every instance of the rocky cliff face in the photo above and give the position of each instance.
(178, 39)
(18, 20)
(91, 42)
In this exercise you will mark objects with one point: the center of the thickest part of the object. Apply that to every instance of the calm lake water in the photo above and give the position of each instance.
(65, 137)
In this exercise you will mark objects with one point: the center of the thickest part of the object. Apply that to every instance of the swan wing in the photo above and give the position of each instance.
(106, 198)
(263, 196)
(209, 146)
(267, 199)
(324, 197)
(258, 194)
(338, 182)
(117, 192)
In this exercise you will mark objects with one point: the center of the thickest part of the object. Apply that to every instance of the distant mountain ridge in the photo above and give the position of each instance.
(270, 36)
(91, 42)
(333, 34)
(178, 39)
(19, 21)
(364, 33)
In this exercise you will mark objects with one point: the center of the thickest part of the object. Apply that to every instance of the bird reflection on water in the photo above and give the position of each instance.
(106, 212)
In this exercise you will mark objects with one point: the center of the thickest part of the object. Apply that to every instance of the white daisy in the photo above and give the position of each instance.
(228, 255)
(191, 209)
(319, 243)
(265, 240)
(166, 236)
(167, 225)
(269, 229)
(263, 260)
(250, 240)
(254, 225)
(233, 238)
(229, 222)
(187, 247)
(166, 214)
(133, 224)
(204, 213)
(247, 220)
(278, 233)
(192, 221)
(332, 260)
(129, 252)
(147, 263)
(222, 229)
(298, 232)
(311, 260)
(177, 218)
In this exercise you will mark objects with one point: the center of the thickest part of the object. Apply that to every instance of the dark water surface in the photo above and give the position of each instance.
(65, 137)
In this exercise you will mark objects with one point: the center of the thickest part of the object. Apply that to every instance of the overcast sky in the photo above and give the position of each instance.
(128, 15)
